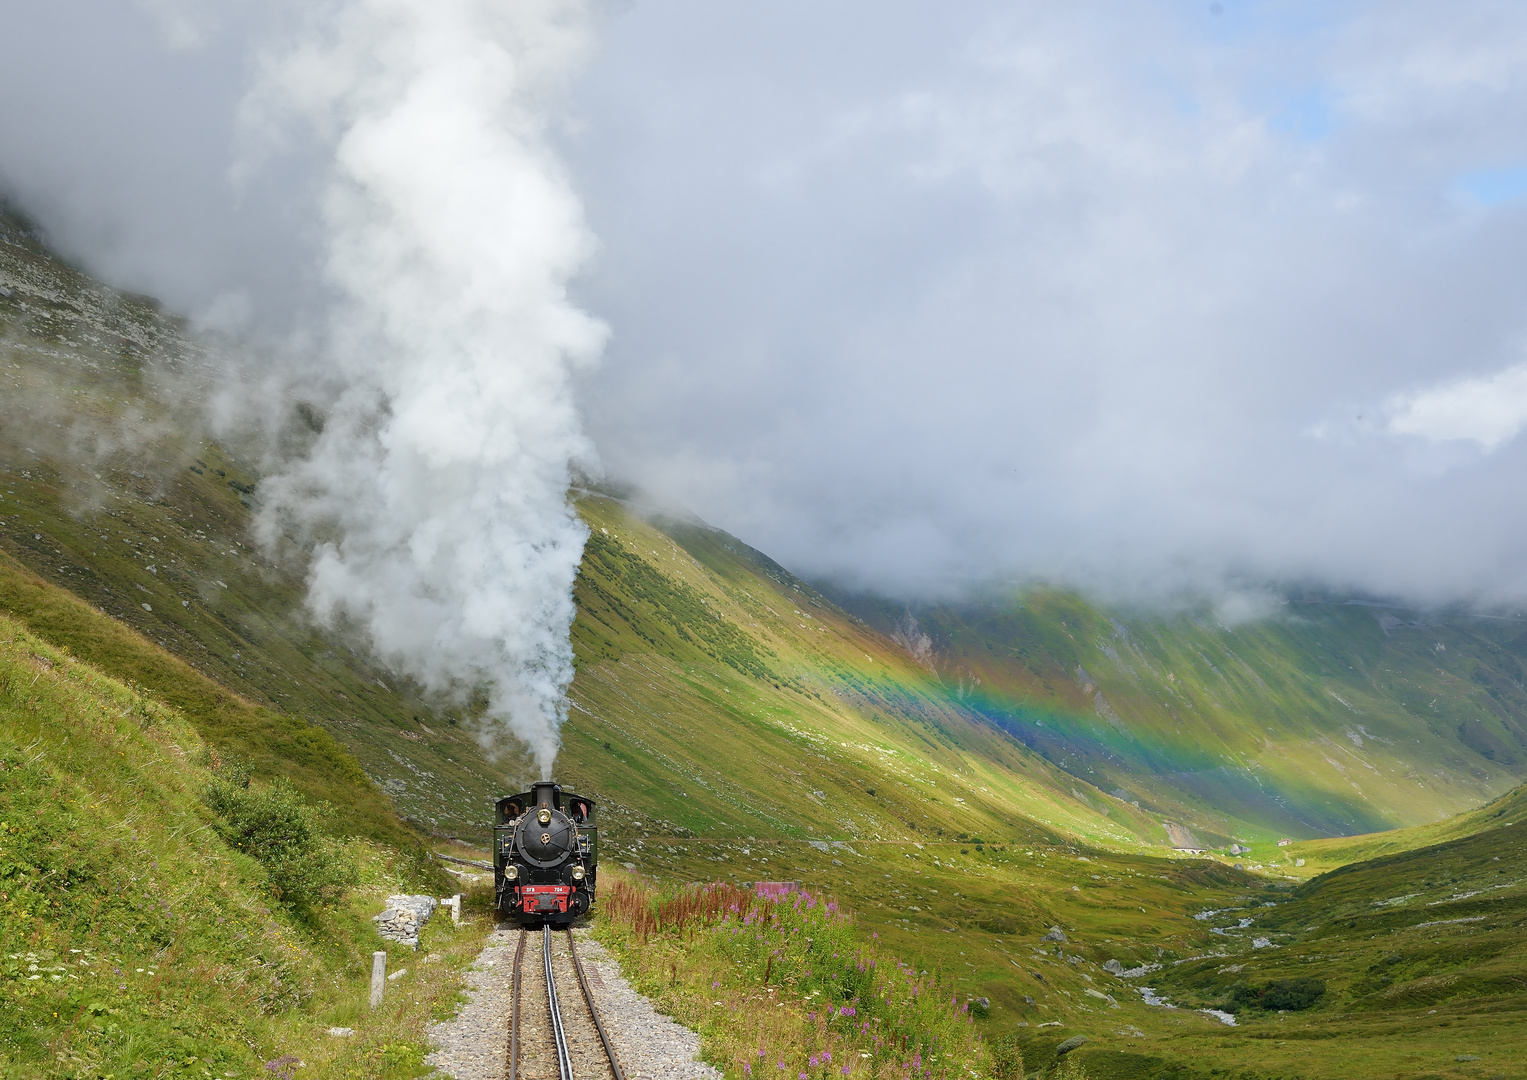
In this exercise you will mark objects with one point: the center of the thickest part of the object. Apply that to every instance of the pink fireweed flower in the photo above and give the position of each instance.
(747, 1067)
(827, 1056)
(845, 1070)
(813, 1062)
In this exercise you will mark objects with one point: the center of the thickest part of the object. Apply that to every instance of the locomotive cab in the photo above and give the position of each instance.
(545, 855)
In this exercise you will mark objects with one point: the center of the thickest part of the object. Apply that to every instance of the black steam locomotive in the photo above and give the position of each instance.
(545, 855)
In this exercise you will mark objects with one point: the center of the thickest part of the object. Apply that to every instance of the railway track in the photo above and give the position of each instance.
(554, 1028)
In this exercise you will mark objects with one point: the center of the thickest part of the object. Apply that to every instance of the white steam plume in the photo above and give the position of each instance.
(437, 491)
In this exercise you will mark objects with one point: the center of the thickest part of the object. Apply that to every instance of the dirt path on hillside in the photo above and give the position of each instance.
(474, 1045)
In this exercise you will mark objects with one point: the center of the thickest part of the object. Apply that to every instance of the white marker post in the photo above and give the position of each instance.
(378, 978)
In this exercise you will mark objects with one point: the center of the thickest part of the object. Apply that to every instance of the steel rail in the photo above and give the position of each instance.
(564, 1059)
(588, 997)
(514, 1010)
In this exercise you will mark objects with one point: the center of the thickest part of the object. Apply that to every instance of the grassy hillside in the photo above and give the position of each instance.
(137, 938)
(1325, 717)
(1418, 955)
(110, 488)
(726, 699)
(267, 742)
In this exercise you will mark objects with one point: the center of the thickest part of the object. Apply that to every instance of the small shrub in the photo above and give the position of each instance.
(1069, 1069)
(1279, 995)
(272, 825)
(1006, 1058)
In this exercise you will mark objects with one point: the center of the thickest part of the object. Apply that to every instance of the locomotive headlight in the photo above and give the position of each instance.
(511, 873)
(544, 817)
(577, 873)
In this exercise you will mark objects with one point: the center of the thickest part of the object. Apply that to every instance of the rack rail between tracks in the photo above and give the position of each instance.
(556, 1019)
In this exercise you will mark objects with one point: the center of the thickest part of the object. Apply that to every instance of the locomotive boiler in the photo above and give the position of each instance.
(545, 855)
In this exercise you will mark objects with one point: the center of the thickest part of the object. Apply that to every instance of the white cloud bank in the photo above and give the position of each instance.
(906, 292)
(1489, 411)
(913, 295)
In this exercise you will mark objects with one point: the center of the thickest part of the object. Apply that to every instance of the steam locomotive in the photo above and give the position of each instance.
(545, 855)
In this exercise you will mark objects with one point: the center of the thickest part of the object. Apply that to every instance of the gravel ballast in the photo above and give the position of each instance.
(474, 1045)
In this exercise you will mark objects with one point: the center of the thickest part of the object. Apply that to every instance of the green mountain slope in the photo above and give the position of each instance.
(1325, 717)
(1418, 956)
(137, 937)
(727, 698)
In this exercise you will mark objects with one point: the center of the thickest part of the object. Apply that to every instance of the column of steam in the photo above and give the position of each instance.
(441, 473)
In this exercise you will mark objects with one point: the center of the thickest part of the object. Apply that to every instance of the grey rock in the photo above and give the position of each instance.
(1055, 934)
(1113, 967)
(403, 918)
(422, 906)
(1071, 1044)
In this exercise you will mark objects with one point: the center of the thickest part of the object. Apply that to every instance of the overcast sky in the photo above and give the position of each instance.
(1141, 296)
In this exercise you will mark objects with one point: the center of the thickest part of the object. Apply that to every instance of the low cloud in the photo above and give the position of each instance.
(1149, 298)
(1489, 411)
(1134, 296)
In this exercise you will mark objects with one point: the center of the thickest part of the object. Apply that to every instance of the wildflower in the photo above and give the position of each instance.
(814, 1062)
(747, 1068)
(845, 1070)
(827, 1057)
(760, 1052)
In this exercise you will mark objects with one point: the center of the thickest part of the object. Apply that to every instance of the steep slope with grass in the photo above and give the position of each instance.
(1409, 964)
(111, 488)
(727, 699)
(1322, 717)
(150, 925)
